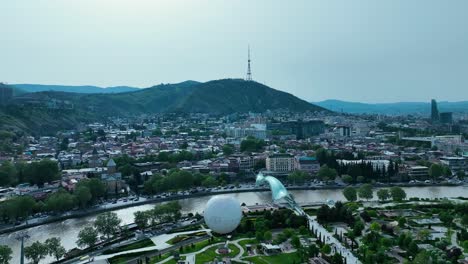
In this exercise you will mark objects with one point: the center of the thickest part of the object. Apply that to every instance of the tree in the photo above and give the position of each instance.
(464, 220)
(383, 194)
(42, 172)
(298, 177)
(83, 194)
(347, 179)
(55, 248)
(435, 171)
(209, 181)
(259, 235)
(107, 224)
(424, 234)
(375, 227)
(398, 194)
(350, 194)
(326, 174)
(295, 241)
(142, 219)
(87, 237)
(313, 250)
(337, 259)
(326, 249)
(228, 149)
(36, 251)
(303, 230)
(251, 144)
(365, 191)
(96, 187)
(360, 179)
(5, 254)
(267, 235)
(401, 222)
(8, 174)
(60, 201)
(64, 144)
(24, 205)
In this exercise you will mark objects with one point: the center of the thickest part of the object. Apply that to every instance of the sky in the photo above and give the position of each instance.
(362, 50)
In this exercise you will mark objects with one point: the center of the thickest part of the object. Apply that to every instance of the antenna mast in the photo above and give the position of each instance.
(249, 72)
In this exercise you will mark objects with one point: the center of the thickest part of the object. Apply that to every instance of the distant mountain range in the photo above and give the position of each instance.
(32, 88)
(401, 108)
(217, 97)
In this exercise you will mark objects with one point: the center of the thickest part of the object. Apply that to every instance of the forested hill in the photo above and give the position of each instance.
(45, 109)
(220, 96)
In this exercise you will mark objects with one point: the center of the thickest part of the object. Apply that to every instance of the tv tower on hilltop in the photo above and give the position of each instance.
(249, 72)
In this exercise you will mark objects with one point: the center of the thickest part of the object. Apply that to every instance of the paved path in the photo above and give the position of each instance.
(159, 241)
(333, 242)
(190, 257)
(241, 252)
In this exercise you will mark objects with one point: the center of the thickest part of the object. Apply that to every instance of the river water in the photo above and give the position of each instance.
(68, 229)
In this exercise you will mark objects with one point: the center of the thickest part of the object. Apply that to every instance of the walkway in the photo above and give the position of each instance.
(333, 242)
(159, 241)
(191, 257)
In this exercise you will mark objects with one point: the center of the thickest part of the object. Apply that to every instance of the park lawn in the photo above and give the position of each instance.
(206, 256)
(199, 245)
(173, 261)
(276, 259)
(180, 238)
(210, 254)
(157, 258)
(139, 244)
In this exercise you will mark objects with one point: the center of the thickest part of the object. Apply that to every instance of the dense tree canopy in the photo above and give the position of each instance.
(251, 144)
(107, 223)
(5, 254)
(87, 236)
(326, 174)
(350, 194)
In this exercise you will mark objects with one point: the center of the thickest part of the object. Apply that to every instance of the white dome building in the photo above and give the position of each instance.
(222, 214)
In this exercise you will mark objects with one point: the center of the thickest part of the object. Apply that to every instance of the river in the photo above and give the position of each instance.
(68, 229)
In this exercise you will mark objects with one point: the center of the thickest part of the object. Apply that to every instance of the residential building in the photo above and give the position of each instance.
(307, 164)
(280, 163)
(455, 164)
(418, 172)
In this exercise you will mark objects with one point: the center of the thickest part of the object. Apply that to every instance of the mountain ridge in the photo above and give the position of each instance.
(217, 97)
(391, 108)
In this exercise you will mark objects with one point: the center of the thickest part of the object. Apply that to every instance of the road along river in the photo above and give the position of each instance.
(68, 229)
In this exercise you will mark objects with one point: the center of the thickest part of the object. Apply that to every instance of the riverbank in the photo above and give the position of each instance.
(143, 201)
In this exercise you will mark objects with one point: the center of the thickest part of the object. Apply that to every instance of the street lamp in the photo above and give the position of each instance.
(21, 236)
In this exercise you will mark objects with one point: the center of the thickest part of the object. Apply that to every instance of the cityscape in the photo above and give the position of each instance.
(230, 169)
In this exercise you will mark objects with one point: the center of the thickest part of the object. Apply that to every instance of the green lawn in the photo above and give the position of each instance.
(157, 259)
(210, 254)
(180, 238)
(199, 245)
(242, 243)
(277, 259)
(172, 261)
(139, 244)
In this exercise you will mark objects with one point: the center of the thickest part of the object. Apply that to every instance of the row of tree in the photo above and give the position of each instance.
(36, 251)
(182, 180)
(163, 213)
(39, 172)
(366, 192)
(106, 224)
(86, 193)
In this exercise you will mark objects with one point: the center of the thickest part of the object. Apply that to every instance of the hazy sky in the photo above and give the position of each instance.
(361, 50)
